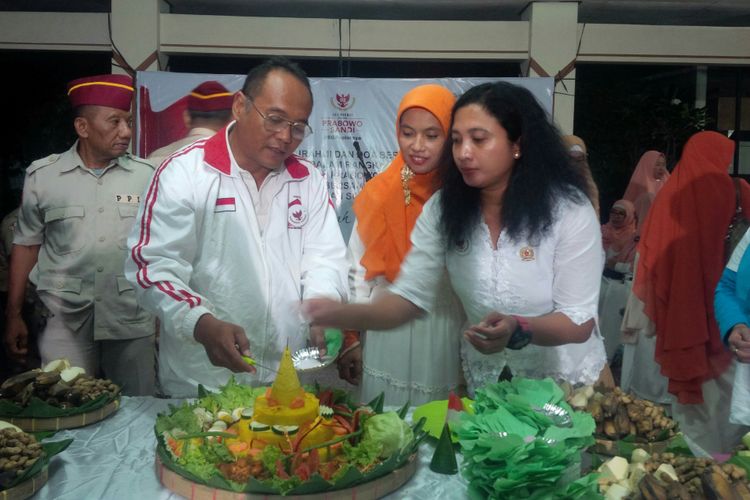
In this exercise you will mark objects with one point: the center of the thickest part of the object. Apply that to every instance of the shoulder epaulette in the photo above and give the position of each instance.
(139, 160)
(42, 162)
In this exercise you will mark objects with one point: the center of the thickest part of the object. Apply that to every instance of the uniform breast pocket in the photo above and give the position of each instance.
(126, 219)
(64, 229)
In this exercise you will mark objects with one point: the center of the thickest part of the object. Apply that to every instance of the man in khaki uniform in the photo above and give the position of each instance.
(7, 226)
(209, 109)
(78, 208)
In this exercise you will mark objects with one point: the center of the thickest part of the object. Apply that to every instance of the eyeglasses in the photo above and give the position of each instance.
(275, 123)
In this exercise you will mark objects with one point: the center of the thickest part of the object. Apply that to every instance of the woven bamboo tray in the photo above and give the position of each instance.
(366, 491)
(31, 424)
(26, 488)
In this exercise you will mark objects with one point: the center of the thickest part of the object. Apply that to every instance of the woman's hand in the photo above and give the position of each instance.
(321, 312)
(386, 312)
(491, 335)
(739, 342)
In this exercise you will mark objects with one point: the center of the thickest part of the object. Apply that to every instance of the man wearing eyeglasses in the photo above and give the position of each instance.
(232, 233)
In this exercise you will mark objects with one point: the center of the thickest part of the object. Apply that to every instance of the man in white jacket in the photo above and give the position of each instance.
(232, 233)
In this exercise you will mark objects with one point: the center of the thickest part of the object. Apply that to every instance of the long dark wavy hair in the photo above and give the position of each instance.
(539, 179)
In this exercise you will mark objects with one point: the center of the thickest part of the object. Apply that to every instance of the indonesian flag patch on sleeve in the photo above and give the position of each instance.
(225, 205)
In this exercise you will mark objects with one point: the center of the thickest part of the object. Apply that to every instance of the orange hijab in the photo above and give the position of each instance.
(681, 259)
(384, 220)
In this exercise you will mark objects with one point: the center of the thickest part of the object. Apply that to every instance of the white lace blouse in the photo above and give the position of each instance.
(560, 274)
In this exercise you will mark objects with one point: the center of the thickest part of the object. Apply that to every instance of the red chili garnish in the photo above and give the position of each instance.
(302, 471)
(314, 459)
(343, 423)
(342, 410)
(326, 397)
(280, 472)
(303, 434)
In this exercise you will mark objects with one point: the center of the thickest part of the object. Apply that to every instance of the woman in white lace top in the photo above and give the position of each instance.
(520, 241)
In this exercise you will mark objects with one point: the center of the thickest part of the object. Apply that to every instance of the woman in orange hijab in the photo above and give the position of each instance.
(681, 258)
(419, 361)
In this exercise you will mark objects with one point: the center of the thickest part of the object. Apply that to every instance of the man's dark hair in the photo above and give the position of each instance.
(81, 111)
(540, 178)
(257, 76)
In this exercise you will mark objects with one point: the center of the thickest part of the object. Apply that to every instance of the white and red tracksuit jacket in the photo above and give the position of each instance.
(196, 248)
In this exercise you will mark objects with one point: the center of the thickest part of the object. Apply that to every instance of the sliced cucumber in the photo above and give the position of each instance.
(218, 426)
(247, 413)
(259, 427)
(285, 429)
(325, 411)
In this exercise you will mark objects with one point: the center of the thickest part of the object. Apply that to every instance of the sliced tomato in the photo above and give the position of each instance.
(280, 472)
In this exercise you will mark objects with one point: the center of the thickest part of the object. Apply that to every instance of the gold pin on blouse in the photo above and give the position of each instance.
(527, 254)
(406, 175)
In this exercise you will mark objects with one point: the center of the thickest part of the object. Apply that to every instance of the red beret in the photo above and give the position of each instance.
(114, 91)
(209, 96)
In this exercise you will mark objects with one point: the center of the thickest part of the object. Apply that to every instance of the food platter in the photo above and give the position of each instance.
(57, 396)
(365, 491)
(26, 488)
(23, 461)
(37, 424)
(242, 441)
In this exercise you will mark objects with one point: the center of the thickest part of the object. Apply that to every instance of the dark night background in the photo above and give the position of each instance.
(620, 112)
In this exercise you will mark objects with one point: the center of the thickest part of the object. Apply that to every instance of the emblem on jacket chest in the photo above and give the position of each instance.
(297, 214)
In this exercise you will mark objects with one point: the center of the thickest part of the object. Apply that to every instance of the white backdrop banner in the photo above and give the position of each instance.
(353, 121)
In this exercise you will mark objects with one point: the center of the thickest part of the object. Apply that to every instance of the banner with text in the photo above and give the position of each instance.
(353, 122)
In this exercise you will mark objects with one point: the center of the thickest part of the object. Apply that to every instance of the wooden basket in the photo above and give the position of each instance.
(34, 424)
(366, 491)
(26, 488)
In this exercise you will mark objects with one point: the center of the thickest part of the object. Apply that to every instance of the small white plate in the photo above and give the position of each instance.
(309, 359)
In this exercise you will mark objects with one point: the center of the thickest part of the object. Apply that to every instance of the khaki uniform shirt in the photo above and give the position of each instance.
(82, 222)
(193, 135)
(7, 227)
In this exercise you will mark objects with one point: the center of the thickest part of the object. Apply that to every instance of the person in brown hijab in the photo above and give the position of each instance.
(579, 159)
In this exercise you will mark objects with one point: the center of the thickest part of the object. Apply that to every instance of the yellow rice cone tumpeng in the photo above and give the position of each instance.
(286, 387)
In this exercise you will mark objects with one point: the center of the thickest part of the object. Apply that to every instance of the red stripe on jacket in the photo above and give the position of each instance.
(145, 237)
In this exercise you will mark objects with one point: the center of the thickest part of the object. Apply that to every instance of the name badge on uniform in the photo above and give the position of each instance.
(225, 205)
(128, 198)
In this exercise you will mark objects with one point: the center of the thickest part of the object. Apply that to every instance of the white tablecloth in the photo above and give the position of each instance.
(114, 459)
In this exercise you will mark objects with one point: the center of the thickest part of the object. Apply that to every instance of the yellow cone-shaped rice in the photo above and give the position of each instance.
(286, 387)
